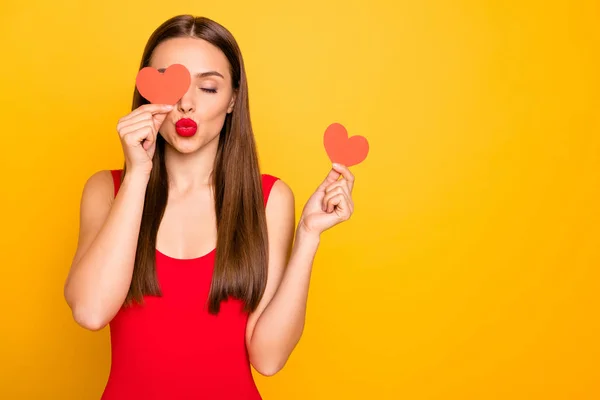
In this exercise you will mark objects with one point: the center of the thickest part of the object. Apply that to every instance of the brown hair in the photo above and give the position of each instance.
(241, 258)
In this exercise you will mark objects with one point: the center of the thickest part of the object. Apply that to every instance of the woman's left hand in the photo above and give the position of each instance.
(330, 204)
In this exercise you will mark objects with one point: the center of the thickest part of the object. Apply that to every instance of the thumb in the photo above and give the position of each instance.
(331, 178)
(158, 120)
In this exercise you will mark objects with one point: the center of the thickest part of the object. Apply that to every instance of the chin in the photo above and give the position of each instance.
(187, 146)
(190, 144)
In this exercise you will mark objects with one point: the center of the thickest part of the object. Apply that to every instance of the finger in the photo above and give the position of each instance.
(343, 183)
(144, 134)
(340, 204)
(130, 121)
(151, 108)
(146, 144)
(333, 193)
(332, 177)
(138, 136)
(342, 169)
(158, 121)
(142, 116)
(130, 128)
(139, 116)
(347, 199)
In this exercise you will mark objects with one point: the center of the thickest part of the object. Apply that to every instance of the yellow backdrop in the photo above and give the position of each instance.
(470, 267)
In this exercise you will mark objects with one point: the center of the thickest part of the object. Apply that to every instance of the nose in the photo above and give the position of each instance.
(187, 104)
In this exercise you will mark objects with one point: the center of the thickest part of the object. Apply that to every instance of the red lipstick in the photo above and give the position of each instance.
(186, 127)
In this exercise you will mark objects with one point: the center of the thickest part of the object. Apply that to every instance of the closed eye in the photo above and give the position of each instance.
(209, 90)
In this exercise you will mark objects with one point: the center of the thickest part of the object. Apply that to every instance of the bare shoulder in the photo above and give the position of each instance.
(100, 183)
(280, 209)
(281, 195)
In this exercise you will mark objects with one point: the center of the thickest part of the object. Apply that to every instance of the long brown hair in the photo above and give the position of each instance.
(241, 257)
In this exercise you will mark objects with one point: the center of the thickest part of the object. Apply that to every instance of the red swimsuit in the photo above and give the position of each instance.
(172, 348)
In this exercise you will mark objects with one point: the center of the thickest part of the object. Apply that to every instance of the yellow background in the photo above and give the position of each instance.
(470, 267)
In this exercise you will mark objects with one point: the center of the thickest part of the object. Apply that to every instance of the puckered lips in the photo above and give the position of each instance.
(186, 127)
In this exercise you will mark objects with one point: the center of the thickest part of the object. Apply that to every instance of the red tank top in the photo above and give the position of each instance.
(171, 348)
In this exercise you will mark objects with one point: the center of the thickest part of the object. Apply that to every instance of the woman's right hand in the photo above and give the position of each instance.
(138, 131)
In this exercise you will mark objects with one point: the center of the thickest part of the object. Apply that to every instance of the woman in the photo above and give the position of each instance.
(190, 306)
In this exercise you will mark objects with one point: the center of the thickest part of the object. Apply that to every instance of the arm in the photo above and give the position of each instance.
(102, 268)
(275, 327)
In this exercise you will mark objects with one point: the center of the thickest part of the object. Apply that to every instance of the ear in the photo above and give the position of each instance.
(232, 102)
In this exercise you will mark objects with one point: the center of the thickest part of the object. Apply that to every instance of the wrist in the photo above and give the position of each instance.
(137, 177)
(305, 234)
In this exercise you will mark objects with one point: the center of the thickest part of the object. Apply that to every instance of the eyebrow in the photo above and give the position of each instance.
(200, 75)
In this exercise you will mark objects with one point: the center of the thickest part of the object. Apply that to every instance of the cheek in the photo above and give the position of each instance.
(215, 109)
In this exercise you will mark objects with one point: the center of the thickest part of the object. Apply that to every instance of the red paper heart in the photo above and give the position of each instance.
(344, 150)
(163, 88)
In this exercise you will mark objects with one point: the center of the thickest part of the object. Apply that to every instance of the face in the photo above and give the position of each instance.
(209, 98)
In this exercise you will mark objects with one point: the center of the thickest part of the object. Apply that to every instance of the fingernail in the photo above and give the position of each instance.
(336, 165)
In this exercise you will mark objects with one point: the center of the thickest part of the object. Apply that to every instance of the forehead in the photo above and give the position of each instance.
(196, 55)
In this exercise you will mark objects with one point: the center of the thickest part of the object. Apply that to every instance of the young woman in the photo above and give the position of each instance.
(188, 252)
